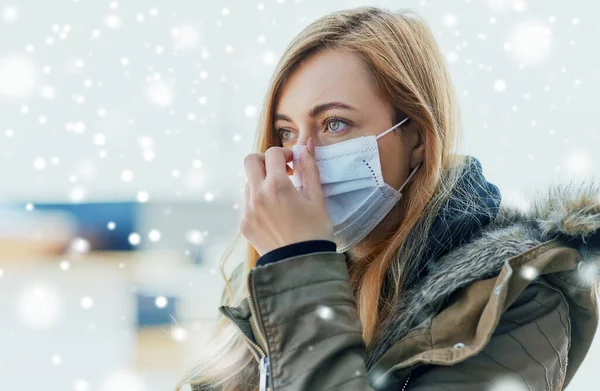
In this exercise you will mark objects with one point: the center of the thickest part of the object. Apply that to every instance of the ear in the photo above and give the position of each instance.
(416, 143)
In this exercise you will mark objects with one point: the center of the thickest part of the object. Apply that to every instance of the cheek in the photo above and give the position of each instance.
(394, 163)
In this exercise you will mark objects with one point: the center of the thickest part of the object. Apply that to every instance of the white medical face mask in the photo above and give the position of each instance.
(357, 197)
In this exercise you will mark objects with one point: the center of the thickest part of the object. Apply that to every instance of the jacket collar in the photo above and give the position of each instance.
(568, 212)
(475, 203)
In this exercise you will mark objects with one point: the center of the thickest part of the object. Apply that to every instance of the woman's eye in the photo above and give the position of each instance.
(336, 126)
(285, 135)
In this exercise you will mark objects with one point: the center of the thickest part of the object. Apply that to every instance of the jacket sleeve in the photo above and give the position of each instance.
(528, 350)
(294, 249)
(308, 319)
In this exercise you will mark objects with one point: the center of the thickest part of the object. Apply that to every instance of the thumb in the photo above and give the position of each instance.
(311, 178)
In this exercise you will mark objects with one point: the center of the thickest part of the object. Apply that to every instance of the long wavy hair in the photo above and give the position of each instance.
(407, 67)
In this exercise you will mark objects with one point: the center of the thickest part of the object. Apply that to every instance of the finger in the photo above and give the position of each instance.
(311, 178)
(247, 194)
(254, 164)
(276, 159)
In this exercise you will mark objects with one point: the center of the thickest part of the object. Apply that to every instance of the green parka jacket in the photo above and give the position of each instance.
(515, 304)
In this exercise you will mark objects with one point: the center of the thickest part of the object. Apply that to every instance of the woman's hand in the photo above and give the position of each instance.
(276, 214)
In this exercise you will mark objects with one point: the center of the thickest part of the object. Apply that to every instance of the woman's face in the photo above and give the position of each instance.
(331, 97)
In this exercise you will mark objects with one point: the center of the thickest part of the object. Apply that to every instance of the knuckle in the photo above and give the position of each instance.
(251, 157)
(275, 186)
(272, 152)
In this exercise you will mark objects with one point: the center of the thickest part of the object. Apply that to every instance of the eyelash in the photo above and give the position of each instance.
(326, 122)
(335, 118)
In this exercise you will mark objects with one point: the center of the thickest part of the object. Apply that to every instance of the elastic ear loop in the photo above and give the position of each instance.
(410, 176)
(416, 168)
(392, 128)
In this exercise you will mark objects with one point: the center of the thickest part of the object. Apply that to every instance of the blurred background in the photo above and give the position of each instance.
(123, 128)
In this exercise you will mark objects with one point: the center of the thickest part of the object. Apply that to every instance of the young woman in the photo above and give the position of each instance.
(385, 261)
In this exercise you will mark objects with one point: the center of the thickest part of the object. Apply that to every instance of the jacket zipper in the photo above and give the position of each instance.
(256, 350)
(264, 362)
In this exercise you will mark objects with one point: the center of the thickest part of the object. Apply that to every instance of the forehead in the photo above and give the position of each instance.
(329, 75)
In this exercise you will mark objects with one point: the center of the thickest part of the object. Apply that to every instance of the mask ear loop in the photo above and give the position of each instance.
(410, 176)
(392, 128)
(416, 168)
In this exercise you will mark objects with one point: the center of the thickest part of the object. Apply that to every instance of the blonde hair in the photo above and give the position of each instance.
(407, 67)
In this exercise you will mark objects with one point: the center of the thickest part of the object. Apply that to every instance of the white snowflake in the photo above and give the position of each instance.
(99, 139)
(161, 302)
(134, 239)
(450, 20)
(81, 384)
(124, 380)
(149, 155)
(185, 37)
(154, 235)
(179, 334)
(10, 14)
(531, 42)
(499, 85)
(77, 194)
(112, 21)
(39, 163)
(18, 77)
(143, 196)
(80, 245)
(39, 306)
(250, 111)
(47, 92)
(160, 93)
(325, 312)
(126, 175)
(195, 237)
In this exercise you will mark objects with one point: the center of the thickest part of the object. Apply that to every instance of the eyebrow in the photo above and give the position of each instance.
(318, 110)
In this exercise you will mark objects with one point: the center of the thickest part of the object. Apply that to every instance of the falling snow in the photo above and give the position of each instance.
(325, 313)
(134, 239)
(10, 14)
(499, 85)
(158, 103)
(80, 245)
(154, 235)
(87, 302)
(161, 302)
(39, 306)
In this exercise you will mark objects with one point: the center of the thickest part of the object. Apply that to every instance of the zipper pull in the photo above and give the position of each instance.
(264, 373)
